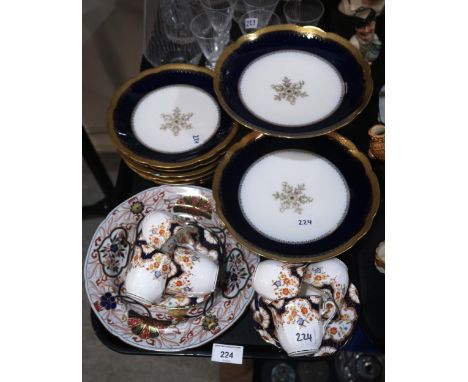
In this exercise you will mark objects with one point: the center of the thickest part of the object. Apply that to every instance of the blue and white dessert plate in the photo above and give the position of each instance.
(169, 117)
(296, 200)
(291, 81)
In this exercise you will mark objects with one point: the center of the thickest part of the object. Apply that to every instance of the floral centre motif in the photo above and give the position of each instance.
(176, 121)
(292, 197)
(289, 91)
(136, 207)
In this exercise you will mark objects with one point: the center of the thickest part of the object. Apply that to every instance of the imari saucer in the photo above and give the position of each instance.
(169, 117)
(337, 333)
(296, 200)
(145, 327)
(291, 81)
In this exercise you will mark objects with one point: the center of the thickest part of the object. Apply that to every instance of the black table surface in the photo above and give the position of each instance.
(369, 335)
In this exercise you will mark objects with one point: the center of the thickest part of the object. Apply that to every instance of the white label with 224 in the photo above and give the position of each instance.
(227, 353)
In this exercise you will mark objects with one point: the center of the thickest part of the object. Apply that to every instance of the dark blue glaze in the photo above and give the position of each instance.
(352, 169)
(345, 63)
(122, 115)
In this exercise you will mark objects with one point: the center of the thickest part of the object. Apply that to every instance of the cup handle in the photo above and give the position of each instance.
(323, 310)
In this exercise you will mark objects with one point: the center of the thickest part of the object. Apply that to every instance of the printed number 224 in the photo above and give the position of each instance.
(305, 221)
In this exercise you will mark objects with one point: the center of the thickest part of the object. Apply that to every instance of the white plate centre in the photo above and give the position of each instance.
(175, 119)
(294, 196)
(291, 88)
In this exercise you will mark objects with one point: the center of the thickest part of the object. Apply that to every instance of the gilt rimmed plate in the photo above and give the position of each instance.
(292, 81)
(179, 180)
(169, 117)
(296, 200)
(110, 252)
(337, 333)
(198, 172)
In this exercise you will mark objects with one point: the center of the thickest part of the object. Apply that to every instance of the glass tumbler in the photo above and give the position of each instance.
(166, 38)
(256, 19)
(303, 13)
(269, 5)
(210, 39)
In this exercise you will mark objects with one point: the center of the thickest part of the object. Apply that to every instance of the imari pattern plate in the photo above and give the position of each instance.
(145, 327)
(291, 81)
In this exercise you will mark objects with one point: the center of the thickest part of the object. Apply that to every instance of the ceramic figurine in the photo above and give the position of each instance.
(380, 257)
(365, 39)
(349, 7)
(377, 142)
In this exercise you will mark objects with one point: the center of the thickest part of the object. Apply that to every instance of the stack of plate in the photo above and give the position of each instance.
(167, 124)
(304, 199)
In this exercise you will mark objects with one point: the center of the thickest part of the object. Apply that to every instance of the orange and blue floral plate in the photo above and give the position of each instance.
(145, 327)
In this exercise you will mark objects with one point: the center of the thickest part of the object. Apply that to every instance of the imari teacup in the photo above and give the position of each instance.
(158, 230)
(274, 280)
(300, 324)
(332, 272)
(146, 278)
(197, 275)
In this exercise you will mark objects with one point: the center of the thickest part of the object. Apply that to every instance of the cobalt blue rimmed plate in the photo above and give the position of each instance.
(293, 82)
(296, 200)
(168, 117)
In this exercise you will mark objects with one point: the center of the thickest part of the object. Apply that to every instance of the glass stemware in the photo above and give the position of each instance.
(210, 39)
(303, 13)
(220, 12)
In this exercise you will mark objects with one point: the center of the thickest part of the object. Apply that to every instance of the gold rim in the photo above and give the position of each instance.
(351, 148)
(176, 182)
(307, 31)
(171, 176)
(152, 162)
(170, 171)
(191, 171)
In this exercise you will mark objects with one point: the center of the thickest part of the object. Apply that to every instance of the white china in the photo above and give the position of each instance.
(294, 196)
(280, 88)
(167, 119)
(146, 279)
(156, 228)
(301, 328)
(332, 272)
(198, 277)
(274, 280)
(110, 256)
